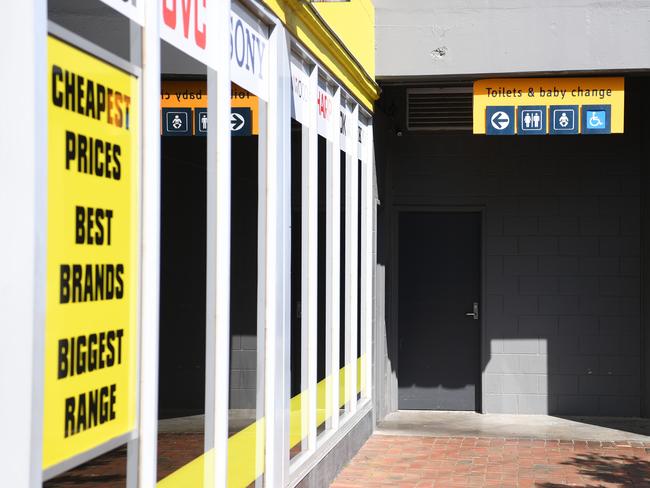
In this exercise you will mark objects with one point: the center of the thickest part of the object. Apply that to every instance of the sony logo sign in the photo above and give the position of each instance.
(247, 47)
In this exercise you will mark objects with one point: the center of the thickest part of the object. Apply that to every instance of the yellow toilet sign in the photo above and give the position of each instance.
(184, 106)
(555, 106)
(91, 325)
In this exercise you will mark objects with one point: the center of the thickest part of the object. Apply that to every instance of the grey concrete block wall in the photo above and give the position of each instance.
(243, 372)
(562, 256)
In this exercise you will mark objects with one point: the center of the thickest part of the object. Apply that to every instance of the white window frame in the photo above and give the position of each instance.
(351, 256)
(368, 250)
(338, 427)
(23, 213)
(309, 262)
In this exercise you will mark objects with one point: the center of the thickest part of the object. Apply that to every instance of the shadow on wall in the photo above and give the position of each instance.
(562, 323)
(614, 470)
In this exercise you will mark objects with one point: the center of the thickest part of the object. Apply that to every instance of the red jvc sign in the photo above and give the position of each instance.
(187, 18)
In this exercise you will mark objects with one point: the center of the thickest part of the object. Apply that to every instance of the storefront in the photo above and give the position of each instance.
(240, 307)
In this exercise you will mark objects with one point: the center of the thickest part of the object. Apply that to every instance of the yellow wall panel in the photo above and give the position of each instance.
(353, 24)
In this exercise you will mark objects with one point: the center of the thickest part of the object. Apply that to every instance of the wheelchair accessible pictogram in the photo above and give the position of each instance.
(596, 119)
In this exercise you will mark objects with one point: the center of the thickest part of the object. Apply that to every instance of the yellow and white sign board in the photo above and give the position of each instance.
(91, 329)
(544, 93)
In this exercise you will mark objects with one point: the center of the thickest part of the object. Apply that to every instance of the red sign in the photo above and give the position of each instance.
(184, 24)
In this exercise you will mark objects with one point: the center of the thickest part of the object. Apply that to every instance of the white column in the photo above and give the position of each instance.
(352, 257)
(333, 261)
(133, 445)
(218, 227)
(277, 280)
(367, 258)
(309, 283)
(148, 415)
(23, 211)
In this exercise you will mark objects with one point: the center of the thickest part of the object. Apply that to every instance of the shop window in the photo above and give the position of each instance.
(246, 402)
(298, 401)
(182, 340)
(360, 364)
(344, 338)
(322, 401)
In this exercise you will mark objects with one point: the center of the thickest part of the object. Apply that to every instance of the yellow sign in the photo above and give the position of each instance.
(91, 329)
(547, 92)
(194, 95)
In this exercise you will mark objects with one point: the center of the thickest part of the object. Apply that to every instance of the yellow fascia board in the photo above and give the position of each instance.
(304, 22)
(354, 22)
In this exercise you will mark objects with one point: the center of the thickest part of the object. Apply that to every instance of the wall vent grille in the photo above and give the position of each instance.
(439, 108)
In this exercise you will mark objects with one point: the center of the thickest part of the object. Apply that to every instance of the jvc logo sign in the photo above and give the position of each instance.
(188, 15)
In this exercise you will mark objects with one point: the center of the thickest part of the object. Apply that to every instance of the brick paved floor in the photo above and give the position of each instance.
(408, 461)
(441, 462)
(109, 470)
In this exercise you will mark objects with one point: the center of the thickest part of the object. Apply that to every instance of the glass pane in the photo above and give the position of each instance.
(182, 366)
(94, 474)
(359, 335)
(181, 390)
(322, 420)
(246, 407)
(343, 337)
(298, 403)
(87, 19)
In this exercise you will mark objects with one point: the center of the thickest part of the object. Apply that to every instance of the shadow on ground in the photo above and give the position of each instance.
(633, 425)
(618, 470)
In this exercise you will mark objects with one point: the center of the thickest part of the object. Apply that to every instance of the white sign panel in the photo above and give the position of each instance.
(325, 108)
(361, 133)
(345, 127)
(185, 25)
(249, 57)
(300, 98)
(133, 9)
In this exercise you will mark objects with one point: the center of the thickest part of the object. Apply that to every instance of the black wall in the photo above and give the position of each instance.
(562, 253)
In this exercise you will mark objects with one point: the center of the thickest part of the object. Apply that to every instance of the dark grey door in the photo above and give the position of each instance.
(439, 283)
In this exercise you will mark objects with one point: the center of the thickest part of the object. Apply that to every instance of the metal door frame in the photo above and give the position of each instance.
(394, 286)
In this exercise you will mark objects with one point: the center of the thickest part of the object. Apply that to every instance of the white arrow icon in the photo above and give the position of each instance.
(500, 120)
(237, 121)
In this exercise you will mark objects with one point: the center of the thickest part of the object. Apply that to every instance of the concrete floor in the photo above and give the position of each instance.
(471, 424)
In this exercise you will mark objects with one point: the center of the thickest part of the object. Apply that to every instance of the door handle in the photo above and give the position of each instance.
(474, 313)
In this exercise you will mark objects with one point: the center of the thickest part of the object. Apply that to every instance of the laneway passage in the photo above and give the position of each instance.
(437, 459)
